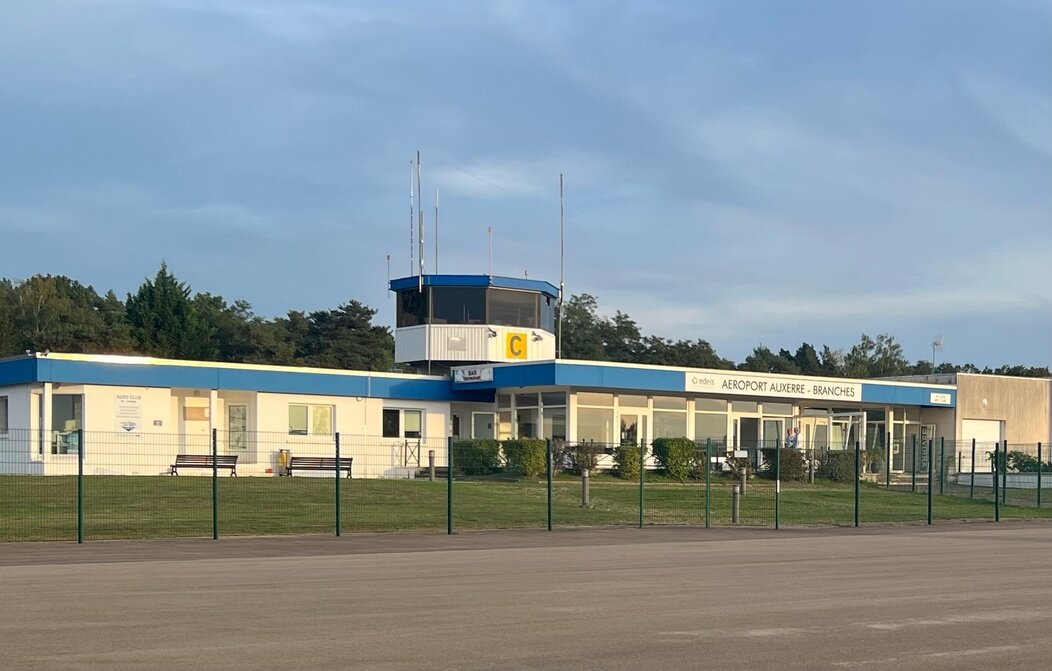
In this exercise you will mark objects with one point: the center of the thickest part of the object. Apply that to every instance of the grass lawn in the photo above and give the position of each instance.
(44, 508)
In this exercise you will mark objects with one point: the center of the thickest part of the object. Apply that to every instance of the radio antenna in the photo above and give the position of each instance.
(562, 269)
(436, 230)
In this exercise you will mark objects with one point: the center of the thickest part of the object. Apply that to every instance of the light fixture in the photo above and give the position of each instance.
(536, 336)
(490, 332)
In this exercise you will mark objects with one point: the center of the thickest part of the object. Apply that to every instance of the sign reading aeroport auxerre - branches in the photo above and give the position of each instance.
(749, 384)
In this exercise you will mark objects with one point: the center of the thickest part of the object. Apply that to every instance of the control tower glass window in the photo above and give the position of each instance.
(412, 308)
(513, 308)
(453, 305)
(548, 314)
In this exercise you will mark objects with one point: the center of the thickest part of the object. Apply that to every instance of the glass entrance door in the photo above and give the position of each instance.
(633, 429)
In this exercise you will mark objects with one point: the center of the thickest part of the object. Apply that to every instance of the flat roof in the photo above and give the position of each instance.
(413, 282)
(603, 375)
(142, 371)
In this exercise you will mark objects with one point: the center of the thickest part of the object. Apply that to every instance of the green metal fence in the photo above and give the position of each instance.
(100, 485)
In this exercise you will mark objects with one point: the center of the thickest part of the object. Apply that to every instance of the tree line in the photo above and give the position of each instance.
(165, 318)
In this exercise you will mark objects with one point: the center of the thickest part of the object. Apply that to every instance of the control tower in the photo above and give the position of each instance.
(457, 320)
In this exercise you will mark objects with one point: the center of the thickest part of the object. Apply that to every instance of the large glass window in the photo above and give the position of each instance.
(595, 424)
(710, 426)
(554, 423)
(314, 420)
(670, 424)
(412, 308)
(512, 308)
(482, 425)
(548, 313)
(67, 417)
(455, 305)
(526, 419)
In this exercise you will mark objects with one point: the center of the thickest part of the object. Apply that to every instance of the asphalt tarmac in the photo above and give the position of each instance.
(954, 596)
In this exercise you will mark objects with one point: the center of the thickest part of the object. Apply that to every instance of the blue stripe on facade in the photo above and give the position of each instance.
(25, 371)
(654, 380)
(18, 371)
(895, 395)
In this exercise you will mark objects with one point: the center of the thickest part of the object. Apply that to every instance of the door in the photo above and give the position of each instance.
(482, 425)
(633, 429)
(237, 428)
(773, 432)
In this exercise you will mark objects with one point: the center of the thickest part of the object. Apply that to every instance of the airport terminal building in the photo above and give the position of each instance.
(489, 343)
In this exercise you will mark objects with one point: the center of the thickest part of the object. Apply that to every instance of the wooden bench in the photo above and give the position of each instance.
(319, 464)
(204, 461)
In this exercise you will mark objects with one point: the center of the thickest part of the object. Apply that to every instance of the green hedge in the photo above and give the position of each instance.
(676, 457)
(839, 466)
(476, 457)
(527, 456)
(793, 466)
(627, 460)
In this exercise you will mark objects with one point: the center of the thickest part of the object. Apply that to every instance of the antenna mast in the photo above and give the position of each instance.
(489, 231)
(436, 230)
(411, 218)
(420, 217)
(562, 267)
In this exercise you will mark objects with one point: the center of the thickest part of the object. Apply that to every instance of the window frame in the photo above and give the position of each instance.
(5, 420)
(402, 433)
(310, 417)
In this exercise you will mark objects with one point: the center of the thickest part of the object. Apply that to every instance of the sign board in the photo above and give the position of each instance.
(474, 374)
(515, 345)
(129, 413)
(772, 386)
(940, 398)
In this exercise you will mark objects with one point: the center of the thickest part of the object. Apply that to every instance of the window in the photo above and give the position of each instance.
(525, 400)
(595, 399)
(458, 306)
(710, 426)
(670, 424)
(313, 420)
(398, 423)
(3, 414)
(412, 308)
(595, 424)
(629, 401)
(513, 308)
(670, 403)
(548, 314)
(526, 419)
(67, 415)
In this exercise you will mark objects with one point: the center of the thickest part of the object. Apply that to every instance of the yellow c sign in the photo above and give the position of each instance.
(515, 345)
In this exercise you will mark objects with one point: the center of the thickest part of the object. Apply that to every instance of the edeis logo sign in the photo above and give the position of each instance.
(514, 345)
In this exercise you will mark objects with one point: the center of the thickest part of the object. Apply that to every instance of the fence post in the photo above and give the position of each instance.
(215, 485)
(449, 485)
(337, 436)
(80, 485)
(1039, 475)
(887, 461)
(548, 460)
(995, 473)
(1004, 477)
(777, 487)
(736, 503)
(708, 483)
(942, 465)
(971, 485)
(858, 490)
(913, 475)
(642, 471)
(931, 469)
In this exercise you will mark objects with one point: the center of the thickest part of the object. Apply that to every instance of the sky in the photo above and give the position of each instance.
(760, 172)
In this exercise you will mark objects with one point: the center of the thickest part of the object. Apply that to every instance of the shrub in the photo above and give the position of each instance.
(476, 457)
(875, 455)
(627, 461)
(583, 456)
(839, 466)
(794, 467)
(526, 456)
(675, 456)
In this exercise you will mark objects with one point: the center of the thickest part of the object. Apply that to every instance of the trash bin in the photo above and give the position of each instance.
(284, 456)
